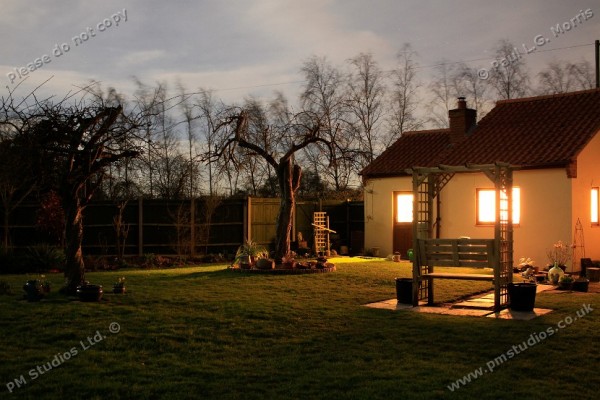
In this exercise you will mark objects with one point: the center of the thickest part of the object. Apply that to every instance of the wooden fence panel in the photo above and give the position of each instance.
(165, 226)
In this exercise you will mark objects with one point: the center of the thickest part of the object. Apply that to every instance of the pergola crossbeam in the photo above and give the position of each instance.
(428, 182)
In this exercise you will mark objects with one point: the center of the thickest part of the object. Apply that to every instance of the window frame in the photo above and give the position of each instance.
(492, 223)
(395, 200)
(597, 208)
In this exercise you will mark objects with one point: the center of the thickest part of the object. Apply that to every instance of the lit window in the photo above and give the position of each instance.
(486, 206)
(404, 207)
(594, 206)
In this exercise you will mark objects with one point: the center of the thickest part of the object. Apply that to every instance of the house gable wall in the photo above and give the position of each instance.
(588, 176)
(545, 210)
(379, 211)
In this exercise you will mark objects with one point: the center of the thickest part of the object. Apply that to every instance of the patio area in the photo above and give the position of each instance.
(481, 305)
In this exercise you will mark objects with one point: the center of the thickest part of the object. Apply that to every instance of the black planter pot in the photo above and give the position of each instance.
(581, 286)
(119, 289)
(34, 290)
(89, 293)
(404, 290)
(522, 296)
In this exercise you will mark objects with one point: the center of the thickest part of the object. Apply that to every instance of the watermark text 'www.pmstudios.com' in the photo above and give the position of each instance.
(59, 49)
(532, 340)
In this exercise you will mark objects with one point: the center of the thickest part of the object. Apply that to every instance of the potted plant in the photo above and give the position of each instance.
(265, 263)
(558, 255)
(404, 290)
(288, 261)
(525, 264)
(45, 284)
(119, 286)
(88, 292)
(581, 284)
(34, 290)
(565, 282)
(248, 253)
(522, 295)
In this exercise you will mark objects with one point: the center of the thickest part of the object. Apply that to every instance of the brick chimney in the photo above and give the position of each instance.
(462, 119)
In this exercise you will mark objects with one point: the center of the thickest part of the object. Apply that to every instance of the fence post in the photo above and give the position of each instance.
(140, 227)
(192, 227)
(248, 219)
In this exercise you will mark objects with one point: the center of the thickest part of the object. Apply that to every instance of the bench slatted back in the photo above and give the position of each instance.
(474, 253)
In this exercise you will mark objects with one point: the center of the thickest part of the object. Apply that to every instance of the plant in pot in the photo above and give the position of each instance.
(265, 263)
(248, 253)
(581, 284)
(119, 286)
(558, 255)
(522, 295)
(34, 290)
(89, 293)
(565, 282)
(289, 260)
(45, 284)
(524, 264)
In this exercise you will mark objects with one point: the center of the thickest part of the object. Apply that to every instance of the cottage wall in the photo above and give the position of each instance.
(379, 211)
(545, 210)
(588, 176)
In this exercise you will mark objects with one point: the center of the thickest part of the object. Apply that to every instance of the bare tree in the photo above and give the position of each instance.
(443, 88)
(403, 96)
(187, 109)
(366, 93)
(71, 145)
(210, 110)
(17, 181)
(555, 78)
(509, 77)
(324, 95)
(302, 130)
(471, 86)
(583, 74)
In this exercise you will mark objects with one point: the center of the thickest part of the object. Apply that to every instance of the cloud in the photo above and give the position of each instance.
(142, 57)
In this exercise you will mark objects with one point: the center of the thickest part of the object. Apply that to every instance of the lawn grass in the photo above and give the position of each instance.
(207, 332)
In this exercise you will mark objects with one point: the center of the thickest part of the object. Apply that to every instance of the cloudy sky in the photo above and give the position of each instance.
(256, 46)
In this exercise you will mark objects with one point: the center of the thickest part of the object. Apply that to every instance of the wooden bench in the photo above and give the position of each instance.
(465, 253)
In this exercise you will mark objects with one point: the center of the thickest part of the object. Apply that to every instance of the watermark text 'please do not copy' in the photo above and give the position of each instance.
(19, 73)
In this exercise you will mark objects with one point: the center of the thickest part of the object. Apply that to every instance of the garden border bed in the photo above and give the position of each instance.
(281, 271)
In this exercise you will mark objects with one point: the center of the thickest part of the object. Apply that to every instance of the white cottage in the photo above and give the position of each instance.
(553, 140)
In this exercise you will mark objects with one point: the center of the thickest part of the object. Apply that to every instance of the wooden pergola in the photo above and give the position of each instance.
(431, 251)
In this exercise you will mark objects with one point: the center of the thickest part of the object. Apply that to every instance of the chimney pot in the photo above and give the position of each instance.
(462, 119)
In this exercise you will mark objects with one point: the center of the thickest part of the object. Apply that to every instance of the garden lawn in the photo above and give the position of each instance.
(211, 333)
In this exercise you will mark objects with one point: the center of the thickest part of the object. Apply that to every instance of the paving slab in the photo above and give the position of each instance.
(480, 305)
(520, 315)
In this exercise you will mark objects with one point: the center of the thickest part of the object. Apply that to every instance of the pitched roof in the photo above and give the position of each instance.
(530, 132)
(422, 148)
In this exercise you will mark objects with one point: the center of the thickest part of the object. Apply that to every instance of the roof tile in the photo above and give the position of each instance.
(531, 132)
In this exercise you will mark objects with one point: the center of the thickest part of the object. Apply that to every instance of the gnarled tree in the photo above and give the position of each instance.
(285, 138)
(71, 146)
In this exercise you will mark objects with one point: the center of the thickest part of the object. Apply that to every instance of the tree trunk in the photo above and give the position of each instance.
(74, 269)
(288, 176)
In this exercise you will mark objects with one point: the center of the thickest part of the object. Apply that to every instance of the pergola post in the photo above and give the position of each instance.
(428, 183)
